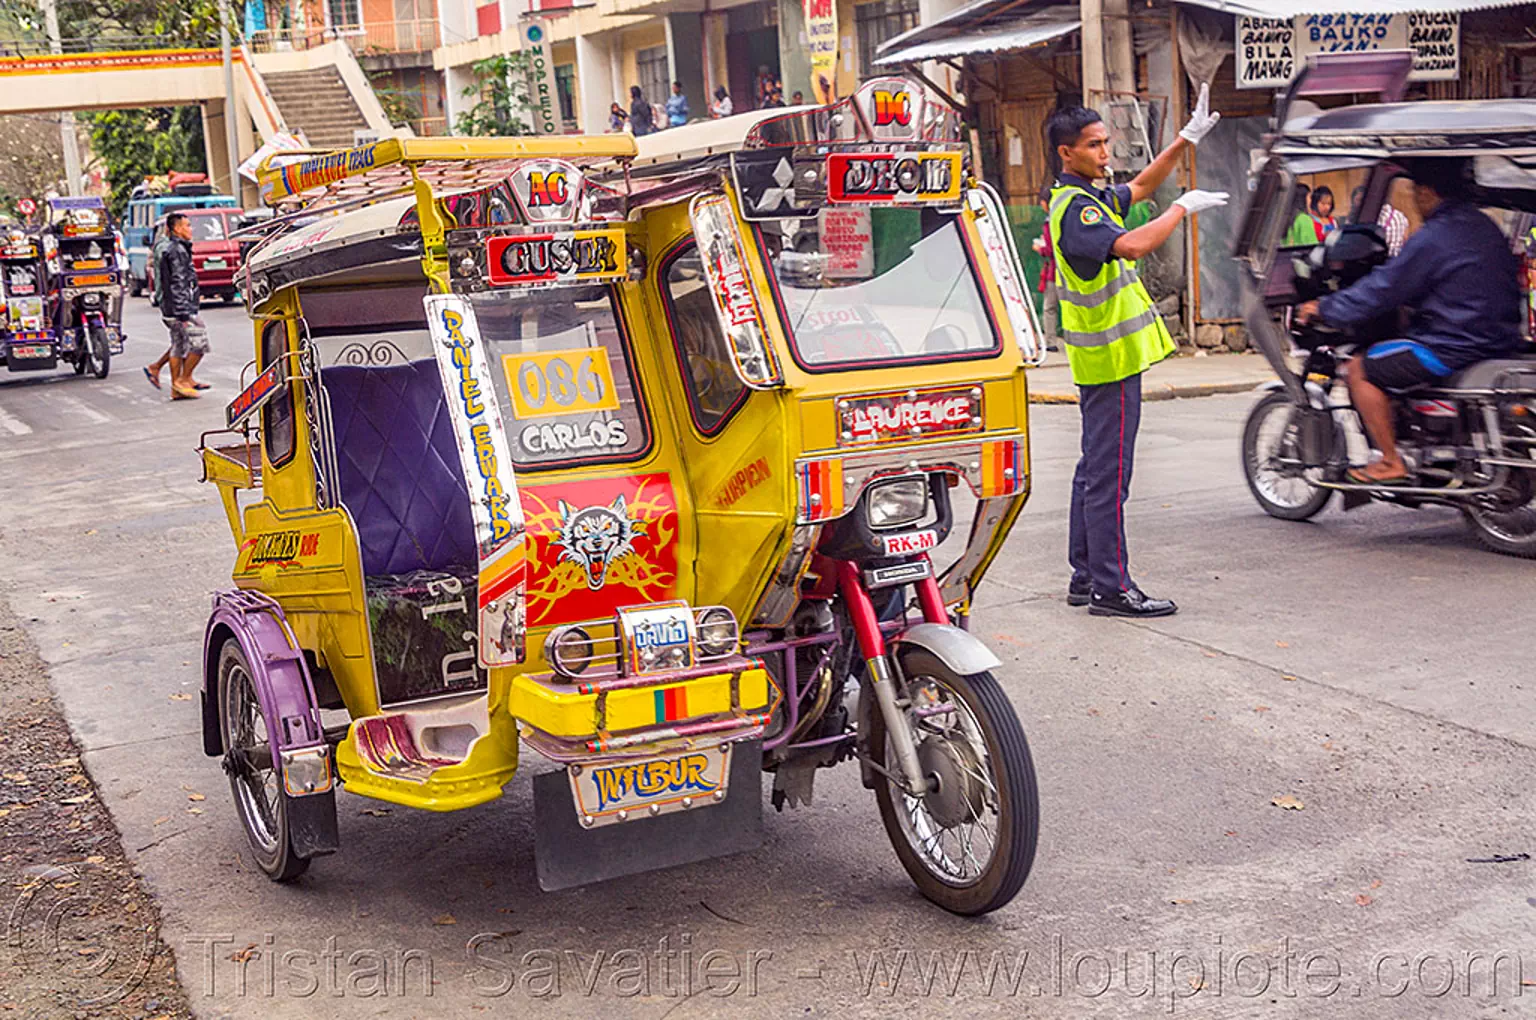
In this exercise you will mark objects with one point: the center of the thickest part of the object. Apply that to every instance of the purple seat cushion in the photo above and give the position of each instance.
(399, 466)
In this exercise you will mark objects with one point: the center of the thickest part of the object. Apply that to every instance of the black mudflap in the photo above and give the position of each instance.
(312, 824)
(568, 855)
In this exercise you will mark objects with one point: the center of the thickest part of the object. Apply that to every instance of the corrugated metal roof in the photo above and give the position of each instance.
(973, 16)
(1291, 8)
(1000, 36)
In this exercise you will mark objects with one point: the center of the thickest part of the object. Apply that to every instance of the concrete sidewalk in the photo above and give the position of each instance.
(1183, 375)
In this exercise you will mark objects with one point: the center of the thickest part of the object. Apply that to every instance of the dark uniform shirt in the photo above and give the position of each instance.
(1460, 278)
(1087, 235)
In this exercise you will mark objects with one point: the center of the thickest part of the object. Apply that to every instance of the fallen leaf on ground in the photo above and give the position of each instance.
(196, 796)
(95, 860)
(162, 819)
(1289, 802)
(76, 800)
(181, 696)
(1282, 644)
(244, 954)
(1211, 655)
(445, 919)
(1180, 902)
(17, 777)
(1287, 676)
(1363, 900)
(76, 781)
(374, 811)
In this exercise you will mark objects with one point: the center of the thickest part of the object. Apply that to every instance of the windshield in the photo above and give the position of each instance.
(861, 285)
(562, 374)
(208, 228)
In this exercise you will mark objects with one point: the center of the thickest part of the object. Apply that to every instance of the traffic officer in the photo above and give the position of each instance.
(1113, 334)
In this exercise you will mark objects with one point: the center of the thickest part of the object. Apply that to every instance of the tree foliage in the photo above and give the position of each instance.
(134, 144)
(96, 23)
(501, 94)
(31, 160)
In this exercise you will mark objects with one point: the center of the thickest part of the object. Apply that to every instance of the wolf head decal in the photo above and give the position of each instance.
(595, 536)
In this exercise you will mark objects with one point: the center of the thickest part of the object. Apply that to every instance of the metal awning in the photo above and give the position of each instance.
(1292, 8)
(979, 27)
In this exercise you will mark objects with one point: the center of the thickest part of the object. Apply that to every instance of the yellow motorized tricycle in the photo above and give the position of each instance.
(634, 458)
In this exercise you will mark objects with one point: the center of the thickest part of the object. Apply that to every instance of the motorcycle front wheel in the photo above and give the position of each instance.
(100, 352)
(1272, 462)
(969, 843)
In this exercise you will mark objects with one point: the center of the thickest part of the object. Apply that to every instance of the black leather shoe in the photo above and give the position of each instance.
(1130, 603)
(1079, 596)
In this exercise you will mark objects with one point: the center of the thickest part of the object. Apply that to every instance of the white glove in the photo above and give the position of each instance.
(1202, 120)
(1197, 200)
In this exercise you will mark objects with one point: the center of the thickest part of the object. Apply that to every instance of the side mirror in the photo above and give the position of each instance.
(730, 288)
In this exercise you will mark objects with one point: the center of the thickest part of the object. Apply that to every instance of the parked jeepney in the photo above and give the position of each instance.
(639, 460)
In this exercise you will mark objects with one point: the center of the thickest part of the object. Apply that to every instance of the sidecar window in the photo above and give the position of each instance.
(277, 414)
(560, 363)
(714, 389)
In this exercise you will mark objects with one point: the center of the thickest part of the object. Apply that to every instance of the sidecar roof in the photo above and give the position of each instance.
(388, 168)
(1439, 128)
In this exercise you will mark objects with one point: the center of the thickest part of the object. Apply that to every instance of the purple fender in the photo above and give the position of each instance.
(278, 670)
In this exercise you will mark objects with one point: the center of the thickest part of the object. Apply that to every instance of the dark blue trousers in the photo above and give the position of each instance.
(1096, 538)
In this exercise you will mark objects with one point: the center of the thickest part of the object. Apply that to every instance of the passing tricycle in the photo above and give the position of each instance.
(637, 459)
(85, 263)
(29, 343)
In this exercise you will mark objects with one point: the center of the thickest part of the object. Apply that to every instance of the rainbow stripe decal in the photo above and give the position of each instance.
(821, 490)
(671, 703)
(1001, 471)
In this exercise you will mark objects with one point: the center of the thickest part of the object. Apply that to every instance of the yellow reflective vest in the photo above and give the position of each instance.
(1109, 322)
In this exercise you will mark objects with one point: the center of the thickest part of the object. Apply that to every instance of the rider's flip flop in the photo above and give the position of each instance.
(1360, 478)
(154, 380)
(202, 386)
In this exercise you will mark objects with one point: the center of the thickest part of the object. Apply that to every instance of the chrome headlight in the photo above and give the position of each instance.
(90, 300)
(898, 503)
(718, 633)
(569, 650)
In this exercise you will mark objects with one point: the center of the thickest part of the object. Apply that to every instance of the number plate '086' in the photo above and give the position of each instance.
(574, 381)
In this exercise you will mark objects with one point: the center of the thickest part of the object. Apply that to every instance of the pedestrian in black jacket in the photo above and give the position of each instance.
(179, 309)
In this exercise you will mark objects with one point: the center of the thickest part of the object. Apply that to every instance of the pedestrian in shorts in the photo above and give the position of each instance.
(179, 305)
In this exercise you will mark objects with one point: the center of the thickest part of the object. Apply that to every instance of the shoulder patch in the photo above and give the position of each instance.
(1091, 214)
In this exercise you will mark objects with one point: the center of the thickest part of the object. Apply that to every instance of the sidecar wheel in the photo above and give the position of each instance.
(254, 779)
(969, 844)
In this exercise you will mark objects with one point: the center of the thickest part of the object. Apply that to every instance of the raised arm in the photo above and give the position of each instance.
(1201, 121)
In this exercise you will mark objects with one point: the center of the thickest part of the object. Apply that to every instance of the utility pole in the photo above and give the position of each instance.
(1109, 63)
(231, 140)
(1094, 81)
(67, 137)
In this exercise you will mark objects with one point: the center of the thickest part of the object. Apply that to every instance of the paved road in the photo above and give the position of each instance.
(1373, 666)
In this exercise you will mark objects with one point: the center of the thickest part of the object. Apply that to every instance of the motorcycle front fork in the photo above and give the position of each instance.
(872, 646)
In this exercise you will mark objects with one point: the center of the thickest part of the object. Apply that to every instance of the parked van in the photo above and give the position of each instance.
(148, 205)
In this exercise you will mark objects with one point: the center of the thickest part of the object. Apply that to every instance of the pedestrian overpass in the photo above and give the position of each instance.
(130, 79)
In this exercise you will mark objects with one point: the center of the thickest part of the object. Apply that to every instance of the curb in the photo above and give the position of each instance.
(1166, 392)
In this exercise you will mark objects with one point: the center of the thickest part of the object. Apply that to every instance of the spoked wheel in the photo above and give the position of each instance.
(1272, 462)
(969, 843)
(100, 352)
(1506, 521)
(253, 775)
